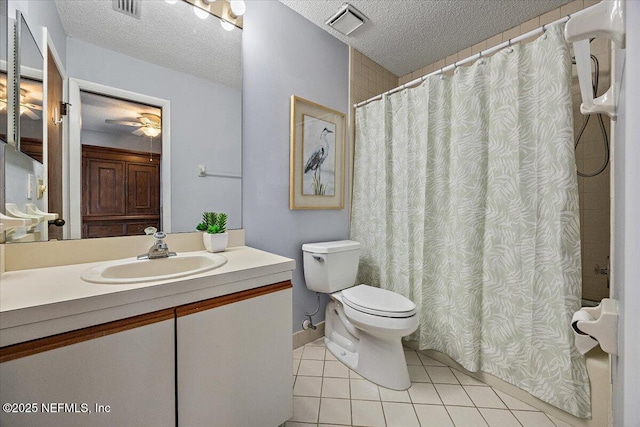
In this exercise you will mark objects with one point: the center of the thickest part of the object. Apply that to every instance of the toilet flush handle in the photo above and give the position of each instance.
(318, 258)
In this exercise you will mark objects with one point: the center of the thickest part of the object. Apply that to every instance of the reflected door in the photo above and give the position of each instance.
(54, 145)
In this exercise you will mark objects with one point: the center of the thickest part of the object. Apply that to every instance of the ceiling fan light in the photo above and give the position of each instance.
(238, 7)
(149, 131)
(200, 13)
(227, 25)
(208, 1)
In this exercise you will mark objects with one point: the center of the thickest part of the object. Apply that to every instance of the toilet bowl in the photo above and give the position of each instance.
(364, 325)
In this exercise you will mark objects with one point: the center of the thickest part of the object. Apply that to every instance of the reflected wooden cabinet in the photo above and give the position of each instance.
(120, 192)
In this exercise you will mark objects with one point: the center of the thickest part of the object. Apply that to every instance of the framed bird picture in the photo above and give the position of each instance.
(317, 156)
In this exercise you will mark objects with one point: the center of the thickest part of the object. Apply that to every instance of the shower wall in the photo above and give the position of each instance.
(594, 192)
(368, 78)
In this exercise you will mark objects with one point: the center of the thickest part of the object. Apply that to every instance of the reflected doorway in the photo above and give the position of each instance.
(120, 166)
(118, 159)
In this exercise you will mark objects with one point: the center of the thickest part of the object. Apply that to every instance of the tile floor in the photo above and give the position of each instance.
(326, 393)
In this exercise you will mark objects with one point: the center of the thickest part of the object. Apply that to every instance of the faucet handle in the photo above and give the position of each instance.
(150, 231)
(160, 235)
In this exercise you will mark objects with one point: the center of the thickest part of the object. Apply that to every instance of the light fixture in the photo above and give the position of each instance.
(237, 7)
(171, 1)
(227, 10)
(226, 25)
(150, 131)
(200, 13)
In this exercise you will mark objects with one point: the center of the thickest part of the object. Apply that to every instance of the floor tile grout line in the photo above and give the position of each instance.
(411, 398)
(320, 399)
(517, 419)
(487, 421)
(549, 417)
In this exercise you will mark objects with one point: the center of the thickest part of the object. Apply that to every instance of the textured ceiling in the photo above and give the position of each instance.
(167, 35)
(405, 35)
(97, 108)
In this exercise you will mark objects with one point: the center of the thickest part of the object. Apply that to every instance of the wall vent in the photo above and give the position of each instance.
(128, 7)
(346, 20)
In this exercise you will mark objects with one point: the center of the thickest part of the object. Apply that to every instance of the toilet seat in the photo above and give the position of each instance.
(378, 302)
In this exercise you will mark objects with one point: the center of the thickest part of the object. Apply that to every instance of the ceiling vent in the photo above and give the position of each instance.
(128, 7)
(346, 20)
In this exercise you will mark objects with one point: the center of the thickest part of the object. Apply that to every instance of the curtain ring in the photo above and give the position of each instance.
(544, 32)
(441, 73)
(510, 50)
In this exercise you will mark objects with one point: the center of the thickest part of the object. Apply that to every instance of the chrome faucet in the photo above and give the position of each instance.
(159, 248)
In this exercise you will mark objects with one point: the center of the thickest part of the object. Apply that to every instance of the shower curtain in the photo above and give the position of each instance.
(465, 201)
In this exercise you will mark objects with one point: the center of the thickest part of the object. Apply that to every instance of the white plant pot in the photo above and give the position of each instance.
(215, 242)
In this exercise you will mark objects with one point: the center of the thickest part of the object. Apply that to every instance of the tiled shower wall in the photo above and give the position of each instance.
(369, 79)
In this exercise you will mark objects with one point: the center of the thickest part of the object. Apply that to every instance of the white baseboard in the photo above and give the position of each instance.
(303, 337)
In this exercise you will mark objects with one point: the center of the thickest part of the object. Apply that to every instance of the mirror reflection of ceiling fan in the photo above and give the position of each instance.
(148, 124)
(26, 108)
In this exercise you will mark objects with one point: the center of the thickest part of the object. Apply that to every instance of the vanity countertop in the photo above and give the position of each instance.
(45, 301)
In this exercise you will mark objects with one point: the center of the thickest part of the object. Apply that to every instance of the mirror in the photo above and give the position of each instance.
(28, 127)
(165, 56)
(4, 21)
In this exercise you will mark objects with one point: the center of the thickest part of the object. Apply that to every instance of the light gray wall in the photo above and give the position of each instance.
(205, 128)
(284, 55)
(124, 142)
(626, 269)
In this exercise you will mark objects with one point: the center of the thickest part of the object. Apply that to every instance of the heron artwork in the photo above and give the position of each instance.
(320, 137)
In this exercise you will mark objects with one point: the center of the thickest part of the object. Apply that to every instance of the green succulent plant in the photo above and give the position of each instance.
(213, 223)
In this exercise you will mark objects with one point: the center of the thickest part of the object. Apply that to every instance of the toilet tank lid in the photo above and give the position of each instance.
(331, 247)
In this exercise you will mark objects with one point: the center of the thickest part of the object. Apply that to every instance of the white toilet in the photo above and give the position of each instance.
(363, 325)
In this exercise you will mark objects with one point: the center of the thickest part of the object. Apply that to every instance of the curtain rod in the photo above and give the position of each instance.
(471, 58)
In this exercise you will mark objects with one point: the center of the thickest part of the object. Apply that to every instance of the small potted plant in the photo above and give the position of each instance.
(215, 236)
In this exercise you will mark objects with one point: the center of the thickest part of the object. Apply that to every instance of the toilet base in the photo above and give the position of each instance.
(381, 360)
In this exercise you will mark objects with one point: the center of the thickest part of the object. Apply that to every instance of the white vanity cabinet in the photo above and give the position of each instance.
(234, 359)
(116, 374)
(223, 362)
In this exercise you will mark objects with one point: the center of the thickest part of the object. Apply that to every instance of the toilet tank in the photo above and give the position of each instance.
(330, 266)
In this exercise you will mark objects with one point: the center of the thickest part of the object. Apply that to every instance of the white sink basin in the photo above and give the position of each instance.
(132, 270)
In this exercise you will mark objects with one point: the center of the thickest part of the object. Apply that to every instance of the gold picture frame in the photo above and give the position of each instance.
(317, 156)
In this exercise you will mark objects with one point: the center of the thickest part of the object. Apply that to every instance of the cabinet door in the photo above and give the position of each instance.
(234, 363)
(143, 189)
(104, 187)
(132, 372)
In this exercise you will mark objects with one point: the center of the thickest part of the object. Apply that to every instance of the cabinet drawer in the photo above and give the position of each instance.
(100, 229)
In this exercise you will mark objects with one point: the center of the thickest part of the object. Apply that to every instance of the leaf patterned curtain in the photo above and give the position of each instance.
(465, 201)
